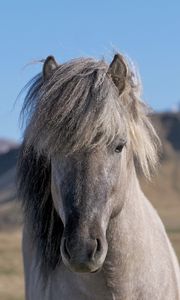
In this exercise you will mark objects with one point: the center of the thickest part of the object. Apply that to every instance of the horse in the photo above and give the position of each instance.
(89, 231)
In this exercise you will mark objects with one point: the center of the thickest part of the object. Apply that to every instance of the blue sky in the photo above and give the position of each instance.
(147, 31)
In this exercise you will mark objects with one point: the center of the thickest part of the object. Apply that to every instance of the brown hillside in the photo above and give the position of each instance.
(164, 191)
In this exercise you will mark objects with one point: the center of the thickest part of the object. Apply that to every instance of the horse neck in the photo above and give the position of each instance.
(129, 222)
(123, 231)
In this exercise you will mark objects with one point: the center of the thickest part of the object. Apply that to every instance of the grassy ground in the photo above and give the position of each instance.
(11, 272)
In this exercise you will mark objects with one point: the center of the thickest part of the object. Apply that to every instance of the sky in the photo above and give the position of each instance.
(148, 32)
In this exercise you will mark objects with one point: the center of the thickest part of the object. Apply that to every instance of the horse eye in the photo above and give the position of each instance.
(119, 148)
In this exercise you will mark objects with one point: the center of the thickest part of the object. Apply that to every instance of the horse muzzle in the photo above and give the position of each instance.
(83, 255)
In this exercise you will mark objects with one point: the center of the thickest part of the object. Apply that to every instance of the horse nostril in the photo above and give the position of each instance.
(98, 248)
(66, 250)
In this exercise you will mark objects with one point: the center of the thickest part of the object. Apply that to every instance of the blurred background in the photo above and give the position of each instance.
(145, 31)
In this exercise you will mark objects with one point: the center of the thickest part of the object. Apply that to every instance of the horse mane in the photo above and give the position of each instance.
(77, 107)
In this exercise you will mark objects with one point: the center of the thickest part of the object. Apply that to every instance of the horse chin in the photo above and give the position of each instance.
(97, 270)
(81, 267)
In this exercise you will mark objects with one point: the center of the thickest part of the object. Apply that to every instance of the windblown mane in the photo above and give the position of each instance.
(77, 107)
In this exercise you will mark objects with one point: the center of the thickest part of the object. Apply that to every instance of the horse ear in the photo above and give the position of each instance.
(49, 66)
(118, 72)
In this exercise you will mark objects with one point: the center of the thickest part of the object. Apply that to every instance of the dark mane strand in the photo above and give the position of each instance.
(39, 214)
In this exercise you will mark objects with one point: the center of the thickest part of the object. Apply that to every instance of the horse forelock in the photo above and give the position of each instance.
(70, 110)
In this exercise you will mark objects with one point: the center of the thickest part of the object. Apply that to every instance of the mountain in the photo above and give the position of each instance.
(10, 214)
(7, 145)
(8, 158)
